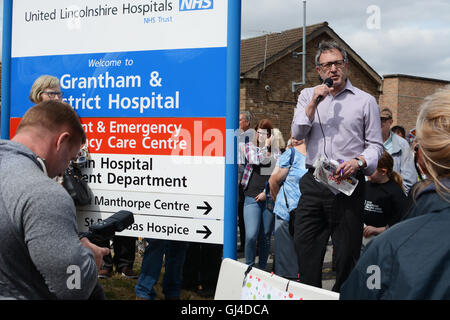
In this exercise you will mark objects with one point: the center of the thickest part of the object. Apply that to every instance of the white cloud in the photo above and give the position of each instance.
(412, 39)
(405, 50)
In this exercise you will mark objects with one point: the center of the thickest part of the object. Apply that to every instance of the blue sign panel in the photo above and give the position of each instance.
(165, 83)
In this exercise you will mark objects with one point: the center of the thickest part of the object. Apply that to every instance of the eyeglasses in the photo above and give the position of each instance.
(53, 94)
(263, 133)
(327, 66)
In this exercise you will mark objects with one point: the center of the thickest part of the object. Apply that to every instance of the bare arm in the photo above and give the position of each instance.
(276, 179)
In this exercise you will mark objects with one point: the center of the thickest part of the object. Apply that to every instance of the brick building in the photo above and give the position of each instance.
(268, 69)
(404, 94)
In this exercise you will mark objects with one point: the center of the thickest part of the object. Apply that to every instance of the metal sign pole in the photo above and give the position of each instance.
(6, 68)
(232, 107)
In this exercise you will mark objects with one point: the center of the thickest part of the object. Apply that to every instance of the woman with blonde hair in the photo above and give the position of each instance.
(45, 88)
(278, 140)
(411, 260)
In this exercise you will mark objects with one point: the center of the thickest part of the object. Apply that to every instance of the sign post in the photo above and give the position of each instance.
(156, 85)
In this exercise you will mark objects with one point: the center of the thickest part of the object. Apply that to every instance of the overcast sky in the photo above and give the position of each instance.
(410, 37)
(392, 36)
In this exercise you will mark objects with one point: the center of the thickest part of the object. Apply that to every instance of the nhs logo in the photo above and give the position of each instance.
(189, 5)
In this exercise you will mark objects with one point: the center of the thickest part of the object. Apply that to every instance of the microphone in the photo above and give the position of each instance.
(328, 82)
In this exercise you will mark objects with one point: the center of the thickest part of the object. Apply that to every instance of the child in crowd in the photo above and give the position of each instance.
(385, 202)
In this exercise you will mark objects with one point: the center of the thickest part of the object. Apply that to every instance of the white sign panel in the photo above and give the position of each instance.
(168, 228)
(93, 26)
(145, 173)
(148, 80)
(162, 204)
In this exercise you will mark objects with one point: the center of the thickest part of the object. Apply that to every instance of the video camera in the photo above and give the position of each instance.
(106, 229)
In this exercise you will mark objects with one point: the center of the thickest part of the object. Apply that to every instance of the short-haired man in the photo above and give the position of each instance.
(343, 125)
(399, 130)
(399, 149)
(244, 121)
(41, 255)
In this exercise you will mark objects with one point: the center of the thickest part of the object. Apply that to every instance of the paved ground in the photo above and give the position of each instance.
(328, 276)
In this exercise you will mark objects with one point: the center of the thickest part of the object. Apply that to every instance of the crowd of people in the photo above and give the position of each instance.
(343, 123)
(396, 218)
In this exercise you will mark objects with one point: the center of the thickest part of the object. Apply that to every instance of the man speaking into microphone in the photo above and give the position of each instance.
(338, 122)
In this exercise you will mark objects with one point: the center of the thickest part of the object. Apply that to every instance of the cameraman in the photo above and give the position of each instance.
(41, 256)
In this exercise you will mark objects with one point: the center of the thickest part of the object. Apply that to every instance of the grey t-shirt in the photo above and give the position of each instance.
(41, 256)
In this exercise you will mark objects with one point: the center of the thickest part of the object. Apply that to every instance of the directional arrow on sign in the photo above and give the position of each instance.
(192, 230)
(207, 232)
(207, 207)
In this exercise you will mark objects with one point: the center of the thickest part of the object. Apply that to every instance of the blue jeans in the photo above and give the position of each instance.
(175, 254)
(258, 226)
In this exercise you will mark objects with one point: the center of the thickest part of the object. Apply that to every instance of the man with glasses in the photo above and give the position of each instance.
(399, 149)
(340, 123)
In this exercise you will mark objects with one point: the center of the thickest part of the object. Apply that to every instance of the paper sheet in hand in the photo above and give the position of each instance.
(325, 174)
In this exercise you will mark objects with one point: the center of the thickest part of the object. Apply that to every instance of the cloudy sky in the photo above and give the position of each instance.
(393, 36)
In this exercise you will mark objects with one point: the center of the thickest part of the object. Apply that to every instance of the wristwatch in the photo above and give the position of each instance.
(360, 163)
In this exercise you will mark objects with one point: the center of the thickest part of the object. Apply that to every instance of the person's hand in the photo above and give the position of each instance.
(370, 231)
(346, 169)
(98, 252)
(261, 197)
(321, 90)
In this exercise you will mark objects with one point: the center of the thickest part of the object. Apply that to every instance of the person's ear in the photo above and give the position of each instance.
(318, 73)
(62, 138)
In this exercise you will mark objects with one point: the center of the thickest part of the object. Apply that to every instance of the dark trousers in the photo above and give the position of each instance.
(124, 253)
(320, 214)
(202, 265)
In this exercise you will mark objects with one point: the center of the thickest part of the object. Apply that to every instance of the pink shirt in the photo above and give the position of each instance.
(350, 122)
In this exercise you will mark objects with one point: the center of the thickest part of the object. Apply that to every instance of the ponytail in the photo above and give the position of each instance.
(393, 175)
(387, 162)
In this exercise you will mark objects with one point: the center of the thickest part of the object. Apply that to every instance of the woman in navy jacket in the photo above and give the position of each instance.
(411, 260)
